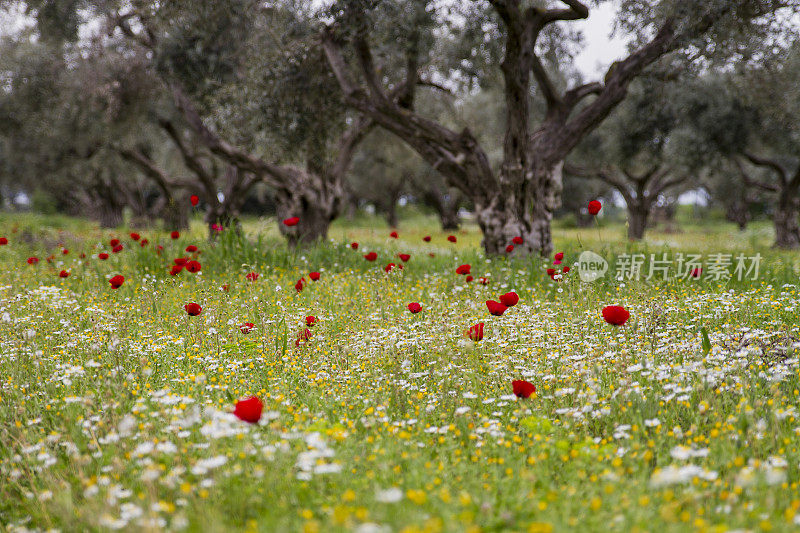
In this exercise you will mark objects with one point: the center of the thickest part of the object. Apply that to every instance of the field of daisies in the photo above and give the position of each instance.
(391, 382)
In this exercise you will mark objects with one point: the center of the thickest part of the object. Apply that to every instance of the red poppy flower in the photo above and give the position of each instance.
(144, 243)
(496, 308)
(476, 332)
(451, 238)
(159, 248)
(463, 269)
(63, 274)
(246, 327)
(33, 260)
(175, 235)
(102, 256)
(252, 276)
(311, 320)
(194, 199)
(113, 242)
(117, 281)
(135, 236)
(517, 240)
(175, 270)
(193, 309)
(696, 272)
(565, 270)
(414, 307)
(181, 260)
(431, 254)
(299, 285)
(509, 248)
(559, 256)
(551, 272)
(225, 288)
(469, 278)
(594, 207)
(314, 276)
(117, 249)
(291, 221)
(3, 241)
(404, 257)
(522, 388)
(303, 336)
(64, 251)
(372, 256)
(427, 238)
(483, 281)
(616, 314)
(393, 235)
(354, 245)
(389, 267)
(193, 266)
(509, 299)
(191, 248)
(83, 256)
(557, 262)
(249, 409)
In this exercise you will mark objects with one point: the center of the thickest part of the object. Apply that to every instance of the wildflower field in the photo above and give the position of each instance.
(301, 392)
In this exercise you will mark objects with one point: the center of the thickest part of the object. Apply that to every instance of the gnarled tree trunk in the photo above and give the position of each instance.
(637, 221)
(787, 230)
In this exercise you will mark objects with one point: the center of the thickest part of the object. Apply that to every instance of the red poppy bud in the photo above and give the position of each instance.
(194, 199)
(509, 248)
(249, 409)
(522, 388)
(193, 309)
(299, 285)
(469, 278)
(496, 308)
(476, 332)
(594, 207)
(616, 315)
(509, 299)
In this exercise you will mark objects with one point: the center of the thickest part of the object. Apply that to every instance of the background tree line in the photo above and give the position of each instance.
(313, 109)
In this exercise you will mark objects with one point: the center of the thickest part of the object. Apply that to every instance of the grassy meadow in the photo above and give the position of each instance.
(116, 405)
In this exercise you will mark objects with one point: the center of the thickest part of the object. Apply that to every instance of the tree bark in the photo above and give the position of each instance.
(787, 230)
(637, 221)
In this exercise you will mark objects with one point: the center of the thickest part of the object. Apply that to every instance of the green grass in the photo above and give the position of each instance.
(115, 405)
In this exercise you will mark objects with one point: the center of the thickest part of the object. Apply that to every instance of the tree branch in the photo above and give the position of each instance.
(783, 172)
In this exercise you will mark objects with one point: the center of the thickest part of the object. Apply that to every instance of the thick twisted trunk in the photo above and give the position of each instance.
(787, 230)
(637, 221)
(315, 200)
